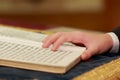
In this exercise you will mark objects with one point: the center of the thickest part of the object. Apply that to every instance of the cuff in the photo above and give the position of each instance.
(115, 48)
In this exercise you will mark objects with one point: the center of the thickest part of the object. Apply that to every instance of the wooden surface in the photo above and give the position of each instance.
(91, 21)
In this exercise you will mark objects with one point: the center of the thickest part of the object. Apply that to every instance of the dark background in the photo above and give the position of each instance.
(104, 20)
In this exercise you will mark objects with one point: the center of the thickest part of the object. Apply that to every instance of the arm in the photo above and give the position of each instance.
(117, 32)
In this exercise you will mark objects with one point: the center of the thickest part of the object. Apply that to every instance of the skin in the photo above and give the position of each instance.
(95, 43)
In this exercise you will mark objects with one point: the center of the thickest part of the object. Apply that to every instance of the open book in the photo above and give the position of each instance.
(22, 49)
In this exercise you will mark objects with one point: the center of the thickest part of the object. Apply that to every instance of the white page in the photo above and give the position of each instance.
(12, 32)
(27, 51)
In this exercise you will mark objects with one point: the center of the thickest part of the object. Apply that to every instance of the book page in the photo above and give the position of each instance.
(21, 50)
(12, 32)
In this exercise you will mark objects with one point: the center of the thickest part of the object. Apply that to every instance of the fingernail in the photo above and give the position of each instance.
(44, 46)
(53, 49)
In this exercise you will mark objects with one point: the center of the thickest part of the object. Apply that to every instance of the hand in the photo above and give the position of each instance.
(95, 43)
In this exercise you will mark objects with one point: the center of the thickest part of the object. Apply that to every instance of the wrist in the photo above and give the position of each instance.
(108, 42)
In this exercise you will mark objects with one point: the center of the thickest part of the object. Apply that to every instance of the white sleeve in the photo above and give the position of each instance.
(116, 43)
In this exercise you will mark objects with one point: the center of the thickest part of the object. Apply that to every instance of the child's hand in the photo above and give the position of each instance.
(95, 43)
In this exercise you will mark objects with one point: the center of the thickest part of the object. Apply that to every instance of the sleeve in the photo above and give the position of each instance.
(117, 32)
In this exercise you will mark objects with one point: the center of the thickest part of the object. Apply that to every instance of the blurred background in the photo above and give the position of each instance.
(99, 15)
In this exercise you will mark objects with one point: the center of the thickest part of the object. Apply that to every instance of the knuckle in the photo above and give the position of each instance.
(59, 33)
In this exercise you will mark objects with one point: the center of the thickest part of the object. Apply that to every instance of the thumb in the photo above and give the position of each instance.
(87, 54)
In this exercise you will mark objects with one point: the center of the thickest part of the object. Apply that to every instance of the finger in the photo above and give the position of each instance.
(50, 40)
(45, 40)
(58, 42)
(87, 54)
